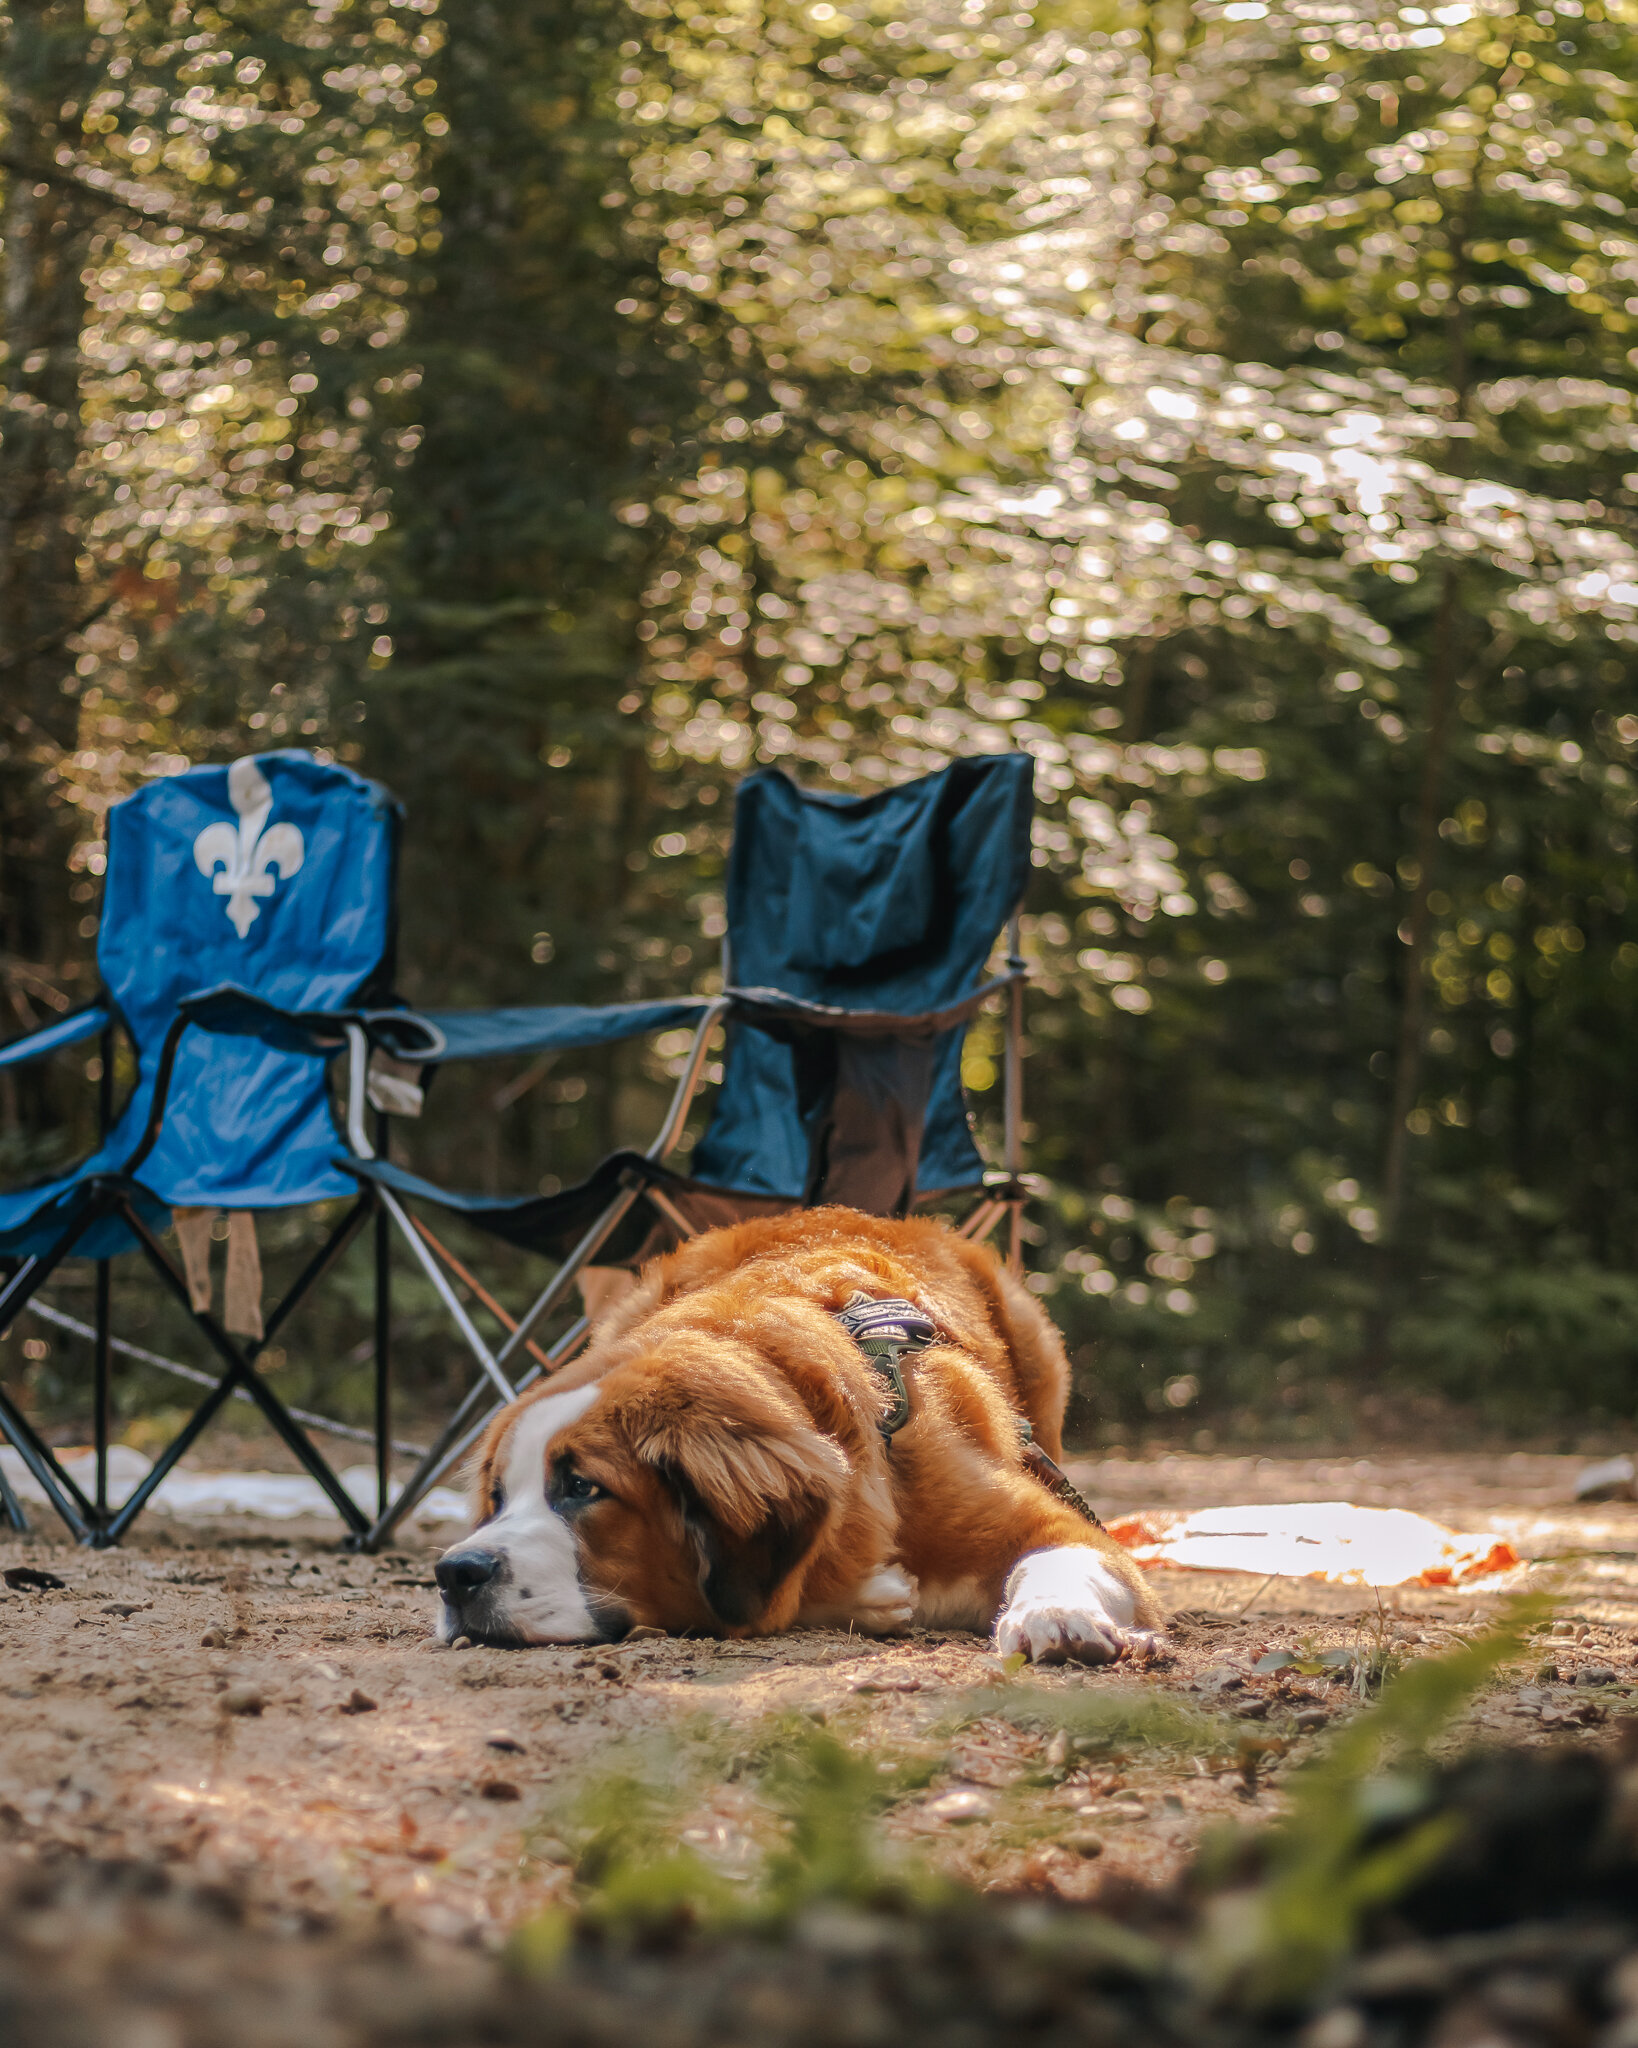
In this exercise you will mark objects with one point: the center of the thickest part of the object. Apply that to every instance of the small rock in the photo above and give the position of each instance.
(873, 1685)
(551, 1850)
(1310, 1719)
(1221, 1680)
(845, 1933)
(325, 1745)
(329, 1671)
(213, 1639)
(1595, 1674)
(1252, 1710)
(1083, 1842)
(1342, 2027)
(960, 1806)
(461, 1643)
(499, 1788)
(499, 1739)
(358, 1702)
(1057, 1750)
(1611, 1480)
(243, 1699)
(1123, 1809)
(126, 1608)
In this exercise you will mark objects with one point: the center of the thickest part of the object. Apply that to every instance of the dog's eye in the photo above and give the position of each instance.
(576, 1488)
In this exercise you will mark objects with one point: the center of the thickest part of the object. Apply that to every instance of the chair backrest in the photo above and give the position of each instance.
(276, 874)
(882, 904)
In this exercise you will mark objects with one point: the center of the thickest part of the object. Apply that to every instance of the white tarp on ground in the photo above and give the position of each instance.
(208, 1496)
(1318, 1539)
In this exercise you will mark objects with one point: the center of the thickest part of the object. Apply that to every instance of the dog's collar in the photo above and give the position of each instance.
(884, 1331)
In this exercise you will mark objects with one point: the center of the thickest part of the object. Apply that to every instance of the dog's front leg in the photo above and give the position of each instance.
(883, 1605)
(1069, 1604)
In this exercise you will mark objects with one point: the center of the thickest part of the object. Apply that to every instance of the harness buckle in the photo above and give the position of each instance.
(884, 1331)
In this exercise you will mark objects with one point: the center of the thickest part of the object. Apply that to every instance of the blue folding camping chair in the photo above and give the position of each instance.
(275, 875)
(859, 932)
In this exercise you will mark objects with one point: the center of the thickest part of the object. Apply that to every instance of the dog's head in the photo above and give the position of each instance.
(683, 1491)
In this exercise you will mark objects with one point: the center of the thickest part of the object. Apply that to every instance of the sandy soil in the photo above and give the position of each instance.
(262, 1711)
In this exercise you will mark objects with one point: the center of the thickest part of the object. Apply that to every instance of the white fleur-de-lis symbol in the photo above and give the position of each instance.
(242, 861)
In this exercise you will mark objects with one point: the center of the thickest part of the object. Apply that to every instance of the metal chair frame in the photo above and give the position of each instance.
(90, 1518)
(1005, 1197)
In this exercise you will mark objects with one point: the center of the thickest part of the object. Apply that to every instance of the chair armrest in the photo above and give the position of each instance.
(320, 1034)
(553, 1027)
(66, 1031)
(779, 1013)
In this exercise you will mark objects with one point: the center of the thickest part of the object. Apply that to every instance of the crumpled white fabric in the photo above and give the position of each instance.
(206, 1496)
(1317, 1539)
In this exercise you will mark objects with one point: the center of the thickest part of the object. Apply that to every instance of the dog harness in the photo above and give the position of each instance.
(884, 1331)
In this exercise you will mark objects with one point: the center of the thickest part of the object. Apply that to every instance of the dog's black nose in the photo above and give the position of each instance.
(465, 1572)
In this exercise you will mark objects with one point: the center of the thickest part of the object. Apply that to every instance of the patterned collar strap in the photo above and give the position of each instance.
(884, 1331)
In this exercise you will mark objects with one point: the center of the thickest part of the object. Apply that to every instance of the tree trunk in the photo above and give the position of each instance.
(1407, 1071)
(45, 63)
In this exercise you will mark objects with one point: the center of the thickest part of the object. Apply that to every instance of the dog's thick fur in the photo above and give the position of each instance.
(713, 1461)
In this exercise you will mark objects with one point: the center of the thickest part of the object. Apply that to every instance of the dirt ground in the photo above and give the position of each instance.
(260, 1710)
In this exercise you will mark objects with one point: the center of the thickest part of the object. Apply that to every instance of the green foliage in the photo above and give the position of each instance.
(633, 1876)
(1324, 1867)
(1109, 1720)
(560, 409)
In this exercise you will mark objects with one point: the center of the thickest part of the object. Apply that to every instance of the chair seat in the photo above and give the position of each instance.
(34, 1219)
(553, 1225)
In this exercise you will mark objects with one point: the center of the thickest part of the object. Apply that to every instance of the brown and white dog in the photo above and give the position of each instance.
(714, 1462)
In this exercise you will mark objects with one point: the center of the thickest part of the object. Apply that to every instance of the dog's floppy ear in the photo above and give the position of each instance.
(756, 1482)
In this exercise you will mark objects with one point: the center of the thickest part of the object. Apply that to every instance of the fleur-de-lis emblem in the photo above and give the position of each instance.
(242, 861)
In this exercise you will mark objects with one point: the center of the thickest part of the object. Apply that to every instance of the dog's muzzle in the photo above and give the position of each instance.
(469, 1581)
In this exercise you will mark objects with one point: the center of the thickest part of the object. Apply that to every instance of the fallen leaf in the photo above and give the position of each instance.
(24, 1578)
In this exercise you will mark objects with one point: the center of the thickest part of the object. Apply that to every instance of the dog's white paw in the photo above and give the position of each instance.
(885, 1603)
(1066, 1606)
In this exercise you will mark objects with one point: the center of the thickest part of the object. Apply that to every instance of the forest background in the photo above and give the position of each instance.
(556, 408)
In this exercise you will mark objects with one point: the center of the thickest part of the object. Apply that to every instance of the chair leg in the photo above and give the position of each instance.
(60, 1489)
(383, 1360)
(240, 1361)
(582, 1255)
(11, 1507)
(163, 1466)
(487, 1362)
(75, 1510)
(452, 1445)
(981, 1222)
(1014, 1097)
(101, 1385)
(459, 1435)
